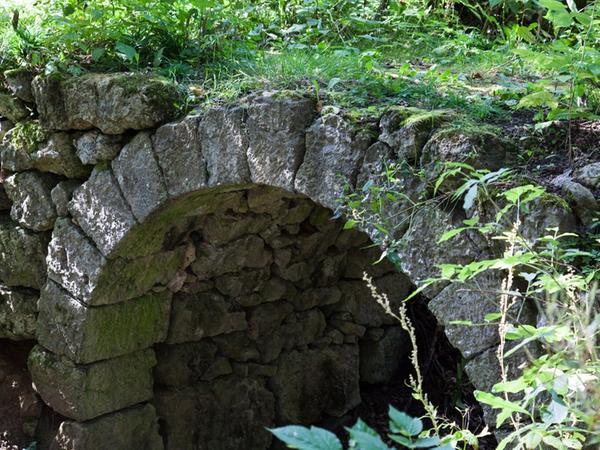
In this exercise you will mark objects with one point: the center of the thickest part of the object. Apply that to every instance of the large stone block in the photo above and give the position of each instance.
(247, 252)
(134, 428)
(86, 333)
(178, 149)
(22, 255)
(140, 177)
(94, 147)
(77, 265)
(12, 108)
(32, 205)
(276, 138)
(420, 253)
(231, 413)
(84, 392)
(113, 103)
(224, 146)
(334, 151)
(100, 210)
(313, 382)
(42, 151)
(184, 364)
(18, 312)
(205, 314)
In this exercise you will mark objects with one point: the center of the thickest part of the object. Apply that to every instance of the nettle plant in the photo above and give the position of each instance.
(552, 400)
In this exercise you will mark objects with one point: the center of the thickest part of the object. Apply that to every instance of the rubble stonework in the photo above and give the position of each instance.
(189, 273)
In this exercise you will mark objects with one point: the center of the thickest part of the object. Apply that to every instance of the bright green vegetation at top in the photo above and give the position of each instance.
(481, 59)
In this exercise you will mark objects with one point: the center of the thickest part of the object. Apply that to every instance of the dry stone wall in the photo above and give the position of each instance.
(185, 281)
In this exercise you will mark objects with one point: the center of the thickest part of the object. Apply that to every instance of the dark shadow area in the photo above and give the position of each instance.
(445, 383)
(19, 407)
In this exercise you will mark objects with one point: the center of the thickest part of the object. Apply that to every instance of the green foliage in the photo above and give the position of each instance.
(551, 402)
(405, 430)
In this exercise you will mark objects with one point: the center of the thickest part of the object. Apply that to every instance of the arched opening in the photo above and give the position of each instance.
(246, 309)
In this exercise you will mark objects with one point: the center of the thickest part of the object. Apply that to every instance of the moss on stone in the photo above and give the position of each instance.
(548, 199)
(28, 136)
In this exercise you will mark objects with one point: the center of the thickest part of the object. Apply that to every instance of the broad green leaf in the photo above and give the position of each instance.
(303, 438)
(128, 51)
(350, 224)
(403, 423)
(499, 403)
(533, 439)
(368, 441)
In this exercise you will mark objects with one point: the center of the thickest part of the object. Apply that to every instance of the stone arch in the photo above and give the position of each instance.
(118, 249)
(184, 275)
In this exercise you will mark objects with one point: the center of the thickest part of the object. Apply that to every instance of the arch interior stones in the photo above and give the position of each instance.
(184, 279)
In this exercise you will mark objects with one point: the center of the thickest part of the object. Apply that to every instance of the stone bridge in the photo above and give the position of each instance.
(193, 285)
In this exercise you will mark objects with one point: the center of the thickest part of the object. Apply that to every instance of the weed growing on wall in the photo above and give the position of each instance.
(550, 400)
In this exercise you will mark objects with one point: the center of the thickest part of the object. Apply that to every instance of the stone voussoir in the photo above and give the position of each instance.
(68, 327)
(84, 392)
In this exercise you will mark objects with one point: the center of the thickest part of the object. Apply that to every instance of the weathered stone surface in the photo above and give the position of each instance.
(22, 255)
(61, 195)
(484, 371)
(243, 283)
(379, 360)
(247, 252)
(113, 103)
(18, 82)
(420, 253)
(377, 157)
(232, 414)
(100, 210)
(317, 297)
(581, 198)
(480, 149)
(48, 152)
(236, 346)
(178, 149)
(471, 302)
(334, 151)
(139, 176)
(205, 314)
(84, 392)
(224, 146)
(405, 137)
(5, 127)
(18, 312)
(183, 364)
(588, 175)
(86, 334)
(12, 108)
(32, 205)
(223, 228)
(548, 211)
(358, 300)
(316, 381)
(58, 156)
(132, 428)
(276, 137)
(78, 266)
(94, 147)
